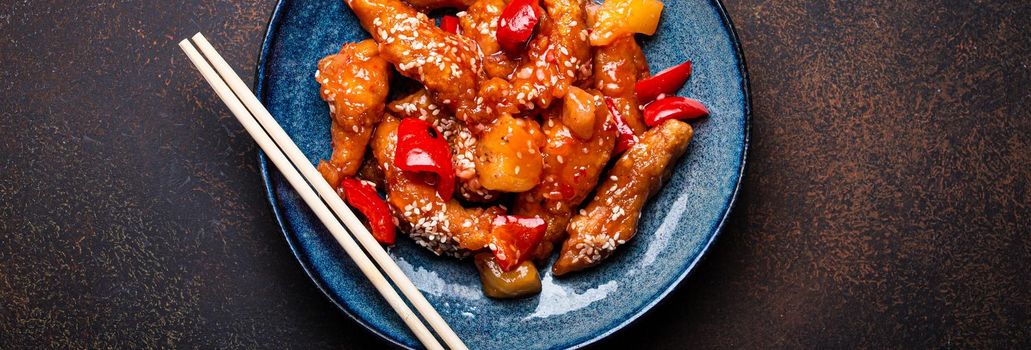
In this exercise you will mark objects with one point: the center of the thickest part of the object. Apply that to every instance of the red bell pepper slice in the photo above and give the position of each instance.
(666, 82)
(675, 107)
(513, 238)
(449, 24)
(626, 137)
(363, 196)
(516, 24)
(421, 148)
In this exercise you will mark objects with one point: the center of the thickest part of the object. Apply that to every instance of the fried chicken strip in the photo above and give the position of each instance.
(610, 219)
(443, 227)
(355, 84)
(447, 64)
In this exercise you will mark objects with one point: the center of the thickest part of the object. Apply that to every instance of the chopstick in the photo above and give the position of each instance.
(326, 192)
(289, 157)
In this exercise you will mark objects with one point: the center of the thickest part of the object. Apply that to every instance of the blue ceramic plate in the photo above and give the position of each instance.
(676, 228)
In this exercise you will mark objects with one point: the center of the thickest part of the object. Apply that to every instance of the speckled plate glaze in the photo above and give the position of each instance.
(676, 228)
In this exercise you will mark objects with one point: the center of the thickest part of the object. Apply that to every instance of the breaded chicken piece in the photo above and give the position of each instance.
(443, 227)
(459, 137)
(427, 5)
(418, 104)
(447, 64)
(617, 67)
(348, 150)
(571, 170)
(557, 57)
(480, 23)
(355, 83)
(610, 219)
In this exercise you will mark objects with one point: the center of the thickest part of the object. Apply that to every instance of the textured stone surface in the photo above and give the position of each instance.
(886, 202)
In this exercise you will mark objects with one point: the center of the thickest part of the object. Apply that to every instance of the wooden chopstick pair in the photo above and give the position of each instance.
(296, 168)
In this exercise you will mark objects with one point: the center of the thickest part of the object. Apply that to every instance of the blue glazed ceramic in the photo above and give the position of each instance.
(676, 228)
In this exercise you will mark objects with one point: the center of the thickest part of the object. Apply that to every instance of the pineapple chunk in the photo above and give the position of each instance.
(508, 155)
(521, 281)
(619, 18)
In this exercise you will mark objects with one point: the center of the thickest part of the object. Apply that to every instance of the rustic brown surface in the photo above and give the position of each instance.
(886, 203)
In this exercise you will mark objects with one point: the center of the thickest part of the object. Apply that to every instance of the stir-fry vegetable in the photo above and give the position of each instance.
(449, 24)
(666, 82)
(517, 23)
(618, 18)
(675, 107)
(421, 148)
(509, 154)
(521, 281)
(362, 196)
(514, 238)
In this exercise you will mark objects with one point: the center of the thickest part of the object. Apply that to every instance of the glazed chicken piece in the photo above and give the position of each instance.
(610, 219)
(427, 5)
(557, 57)
(480, 23)
(463, 144)
(418, 104)
(617, 67)
(355, 84)
(348, 150)
(443, 227)
(447, 64)
(572, 166)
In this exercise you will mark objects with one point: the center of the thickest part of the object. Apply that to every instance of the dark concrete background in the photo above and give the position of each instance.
(886, 202)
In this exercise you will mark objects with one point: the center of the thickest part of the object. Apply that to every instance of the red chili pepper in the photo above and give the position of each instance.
(363, 196)
(626, 137)
(666, 82)
(675, 107)
(421, 148)
(449, 24)
(517, 23)
(514, 238)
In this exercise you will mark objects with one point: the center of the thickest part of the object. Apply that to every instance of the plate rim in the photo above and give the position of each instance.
(266, 176)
